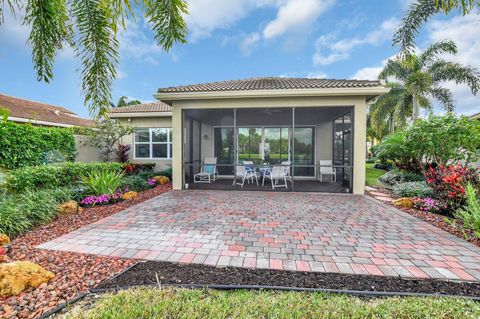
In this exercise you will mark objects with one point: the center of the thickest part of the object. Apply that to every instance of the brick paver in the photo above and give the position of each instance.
(292, 231)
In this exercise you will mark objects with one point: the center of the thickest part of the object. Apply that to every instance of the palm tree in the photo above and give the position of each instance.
(420, 79)
(420, 12)
(91, 28)
(125, 101)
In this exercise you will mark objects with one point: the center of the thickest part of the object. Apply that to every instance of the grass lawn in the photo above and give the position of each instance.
(167, 303)
(372, 175)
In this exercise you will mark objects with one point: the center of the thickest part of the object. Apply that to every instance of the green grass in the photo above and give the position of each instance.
(167, 303)
(372, 175)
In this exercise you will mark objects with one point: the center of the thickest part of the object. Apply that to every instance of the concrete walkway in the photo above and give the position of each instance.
(292, 231)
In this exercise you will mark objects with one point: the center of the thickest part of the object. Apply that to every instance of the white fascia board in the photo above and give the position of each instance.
(38, 122)
(141, 114)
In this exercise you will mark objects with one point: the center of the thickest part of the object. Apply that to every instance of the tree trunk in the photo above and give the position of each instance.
(416, 108)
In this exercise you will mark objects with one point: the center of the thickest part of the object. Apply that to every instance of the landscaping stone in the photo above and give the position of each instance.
(69, 207)
(17, 276)
(129, 195)
(404, 202)
(161, 179)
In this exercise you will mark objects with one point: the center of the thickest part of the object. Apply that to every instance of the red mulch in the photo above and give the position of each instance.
(75, 273)
(437, 220)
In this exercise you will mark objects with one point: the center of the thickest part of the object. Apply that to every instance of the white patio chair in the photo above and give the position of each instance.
(251, 171)
(277, 174)
(208, 172)
(326, 168)
(287, 169)
(244, 174)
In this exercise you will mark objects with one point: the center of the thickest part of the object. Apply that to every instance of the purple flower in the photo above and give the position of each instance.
(93, 200)
(152, 182)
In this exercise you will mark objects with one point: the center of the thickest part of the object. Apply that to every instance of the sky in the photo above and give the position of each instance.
(234, 39)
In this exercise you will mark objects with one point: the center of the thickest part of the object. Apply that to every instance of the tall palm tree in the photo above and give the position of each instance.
(420, 12)
(420, 78)
(125, 101)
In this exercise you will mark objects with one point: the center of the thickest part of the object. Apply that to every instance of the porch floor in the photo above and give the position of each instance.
(293, 231)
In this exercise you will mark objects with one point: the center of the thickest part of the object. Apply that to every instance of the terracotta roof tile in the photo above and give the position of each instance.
(32, 110)
(270, 83)
(143, 108)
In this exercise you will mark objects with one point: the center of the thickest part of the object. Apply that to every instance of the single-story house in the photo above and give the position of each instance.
(37, 113)
(317, 127)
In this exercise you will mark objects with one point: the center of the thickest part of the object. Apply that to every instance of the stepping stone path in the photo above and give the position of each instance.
(382, 197)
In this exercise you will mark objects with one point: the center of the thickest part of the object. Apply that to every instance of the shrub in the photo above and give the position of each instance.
(26, 145)
(123, 151)
(398, 176)
(134, 183)
(102, 182)
(52, 176)
(19, 213)
(412, 189)
(137, 168)
(470, 213)
(448, 183)
(394, 149)
(428, 204)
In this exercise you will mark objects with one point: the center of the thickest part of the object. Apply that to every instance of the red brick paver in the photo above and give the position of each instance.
(290, 231)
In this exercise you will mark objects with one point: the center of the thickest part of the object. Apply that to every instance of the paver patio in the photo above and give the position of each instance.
(292, 231)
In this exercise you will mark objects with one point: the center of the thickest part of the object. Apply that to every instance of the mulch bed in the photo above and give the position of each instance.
(75, 273)
(437, 220)
(144, 273)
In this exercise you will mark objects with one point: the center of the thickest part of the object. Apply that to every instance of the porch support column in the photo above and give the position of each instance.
(359, 151)
(177, 141)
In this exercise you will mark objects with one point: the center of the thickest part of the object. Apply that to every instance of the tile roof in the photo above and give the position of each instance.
(32, 110)
(143, 108)
(270, 83)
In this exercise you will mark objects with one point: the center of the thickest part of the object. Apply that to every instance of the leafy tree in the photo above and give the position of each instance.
(420, 12)
(125, 101)
(106, 135)
(91, 27)
(420, 79)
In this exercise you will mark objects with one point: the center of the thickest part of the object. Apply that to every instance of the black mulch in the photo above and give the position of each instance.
(144, 273)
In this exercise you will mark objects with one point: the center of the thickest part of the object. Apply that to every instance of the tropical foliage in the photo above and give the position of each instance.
(470, 214)
(420, 12)
(126, 101)
(100, 182)
(26, 145)
(420, 79)
(91, 28)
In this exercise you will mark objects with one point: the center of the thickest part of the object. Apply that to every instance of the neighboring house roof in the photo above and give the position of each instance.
(22, 110)
(143, 108)
(476, 116)
(270, 83)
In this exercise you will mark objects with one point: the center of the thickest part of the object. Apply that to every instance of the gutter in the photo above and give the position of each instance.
(38, 122)
(369, 91)
(140, 114)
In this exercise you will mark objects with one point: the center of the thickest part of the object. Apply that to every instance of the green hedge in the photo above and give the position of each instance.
(26, 145)
(53, 176)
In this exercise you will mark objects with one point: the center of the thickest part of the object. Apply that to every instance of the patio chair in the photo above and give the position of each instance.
(208, 172)
(286, 166)
(244, 173)
(277, 174)
(251, 172)
(326, 168)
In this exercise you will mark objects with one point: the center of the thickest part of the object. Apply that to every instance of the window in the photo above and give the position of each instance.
(153, 143)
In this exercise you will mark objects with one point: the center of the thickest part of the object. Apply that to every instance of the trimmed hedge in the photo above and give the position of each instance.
(26, 145)
(53, 176)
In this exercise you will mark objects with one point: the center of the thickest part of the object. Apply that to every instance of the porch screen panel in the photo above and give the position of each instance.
(224, 149)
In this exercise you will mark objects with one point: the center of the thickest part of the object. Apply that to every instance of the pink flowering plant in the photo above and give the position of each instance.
(152, 182)
(428, 204)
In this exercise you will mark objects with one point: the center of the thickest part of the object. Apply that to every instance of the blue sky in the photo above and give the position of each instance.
(245, 38)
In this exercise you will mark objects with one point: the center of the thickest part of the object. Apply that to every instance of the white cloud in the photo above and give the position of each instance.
(463, 30)
(317, 75)
(295, 15)
(329, 50)
(368, 73)
(249, 42)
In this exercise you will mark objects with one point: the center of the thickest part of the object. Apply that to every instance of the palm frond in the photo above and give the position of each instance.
(394, 68)
(418, 13)
(13, 6)
(465, 5)
(432, 52)
(98, 51)
(49, 29)
(442, 70)
(166, 17)
(382, 111)
(445, 97)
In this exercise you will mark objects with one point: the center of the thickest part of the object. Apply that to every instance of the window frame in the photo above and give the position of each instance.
(150, 143)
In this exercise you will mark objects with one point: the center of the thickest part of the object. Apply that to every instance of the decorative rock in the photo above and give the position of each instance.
(403, 202)
(130, 195)
(17, 276)
(4, 240)
(69, 207)
(161, 179)
(5, 247)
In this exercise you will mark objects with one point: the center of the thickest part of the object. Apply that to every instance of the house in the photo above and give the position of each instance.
(476, 116)
(275, 120)
(26, 111)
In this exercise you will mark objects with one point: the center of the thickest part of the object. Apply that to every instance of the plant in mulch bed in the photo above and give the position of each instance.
(137, 168)
(469, 215)
(412, 189)
(447, 183)
(428, 204)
